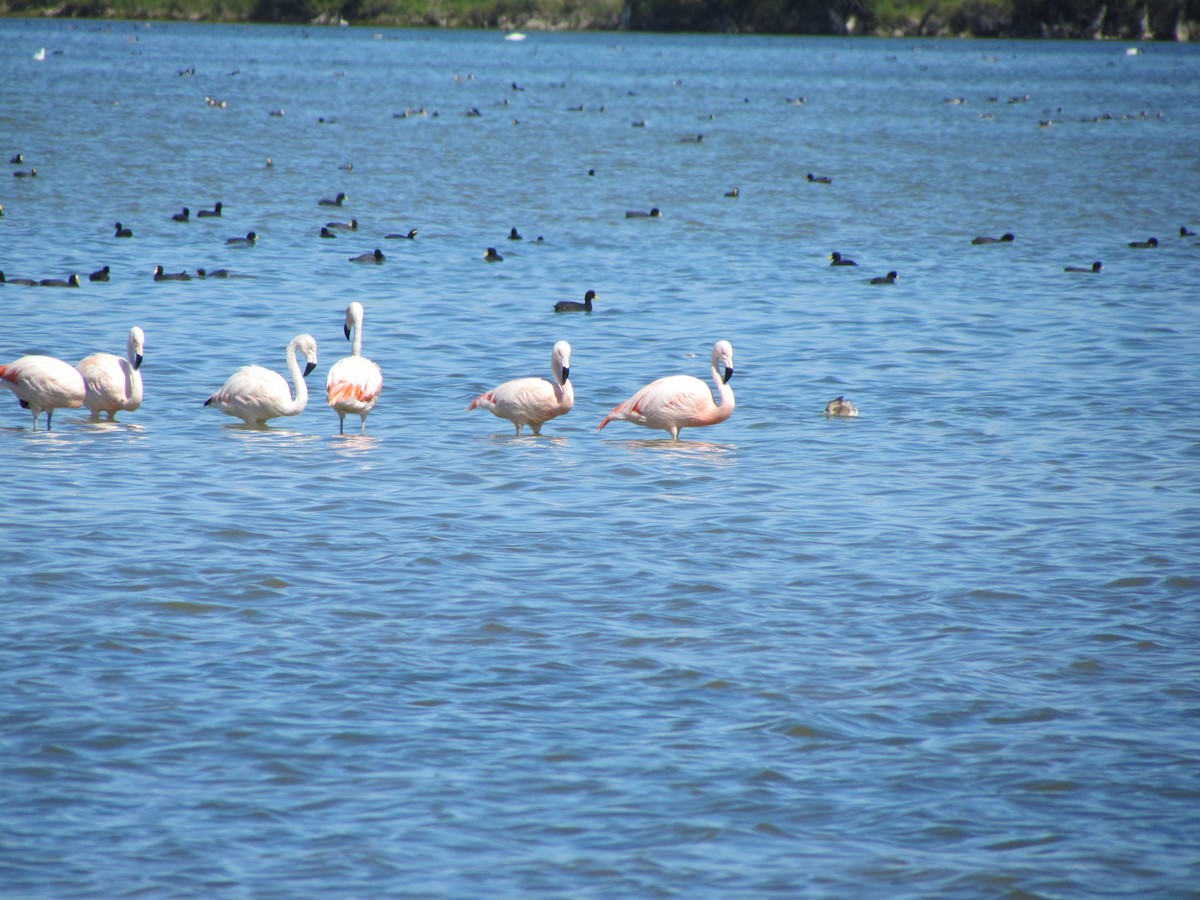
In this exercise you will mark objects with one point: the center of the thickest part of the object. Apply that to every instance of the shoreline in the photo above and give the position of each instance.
(974, 20)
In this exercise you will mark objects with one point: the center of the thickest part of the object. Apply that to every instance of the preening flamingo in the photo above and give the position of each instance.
(681, 401)
(533, 401)
(112, 383)
(354, 382)
(43, 384)
(254, 394)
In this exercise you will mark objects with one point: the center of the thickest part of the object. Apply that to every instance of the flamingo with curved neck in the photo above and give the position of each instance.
(113, 383)
(254, 394)
(533, 401)
(681, 401)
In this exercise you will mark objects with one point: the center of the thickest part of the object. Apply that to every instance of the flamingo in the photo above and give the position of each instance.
(681, 401)
(43, 384)
(112, 383)
(533, 401)
(354, 382)
(254, 394)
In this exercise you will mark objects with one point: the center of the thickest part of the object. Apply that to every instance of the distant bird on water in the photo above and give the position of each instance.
(410, 235)
(638, 214)
(681, 401)
(818, 179)
(533, 401)
(514, 235)
(248, 241)
(1184, 231)
(122, 231)
(354, 382)
(255, 394)
(840, 407)
(1007, 238)
(72, 281)
(889, 278)
(575, 305)
(376, 257)
(43, 384)
(100, 274)
(27, 282)
(352, 225)
(1147, 244)
(215, 212)
(836, 259)
(336, 201)
(182, 216)
(160, 275)
(1092, 269)
(492, 255)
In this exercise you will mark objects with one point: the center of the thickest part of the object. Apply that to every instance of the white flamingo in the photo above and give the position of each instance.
(354, 382)
(113, 383)
(43, 384)
(681, 401)
(533, 401)
(254, 394)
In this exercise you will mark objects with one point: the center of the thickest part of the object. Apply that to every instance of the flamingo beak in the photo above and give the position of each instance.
(309, 368)
(728, 374)
(346, 331)
(566, 373)
(137, 361)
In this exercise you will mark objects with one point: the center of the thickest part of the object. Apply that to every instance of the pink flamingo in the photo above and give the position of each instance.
(533, 401)
(113, 383)
(354, 382)
(254, 394)
(681, 401)
(43, 384)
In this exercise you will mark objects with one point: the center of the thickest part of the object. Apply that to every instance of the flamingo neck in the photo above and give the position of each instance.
(133, 381)
(565, 392)
(301, 400)
(356, 346)
(725, 393)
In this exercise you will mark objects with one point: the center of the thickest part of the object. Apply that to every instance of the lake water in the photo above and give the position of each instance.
(949, 648)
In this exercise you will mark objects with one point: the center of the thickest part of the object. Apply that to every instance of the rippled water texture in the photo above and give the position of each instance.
(948, 648)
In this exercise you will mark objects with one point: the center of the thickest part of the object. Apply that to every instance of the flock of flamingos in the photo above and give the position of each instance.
(107, 384)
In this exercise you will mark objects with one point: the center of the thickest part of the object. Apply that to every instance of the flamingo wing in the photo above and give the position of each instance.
(353, 385)
(110, 383)
(523, 401)
(44, 382)
(253, 394)
(677, 400)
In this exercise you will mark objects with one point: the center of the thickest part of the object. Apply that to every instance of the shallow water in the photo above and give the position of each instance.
(945, 649)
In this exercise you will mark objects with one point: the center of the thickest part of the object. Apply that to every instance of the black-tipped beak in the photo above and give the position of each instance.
(346, 331)
(728, 374)
(566, 373)
(137, 361)
(309, 368)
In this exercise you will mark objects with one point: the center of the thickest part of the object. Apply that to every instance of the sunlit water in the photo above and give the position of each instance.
(948, 648)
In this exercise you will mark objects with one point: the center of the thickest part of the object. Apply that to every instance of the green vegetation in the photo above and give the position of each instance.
(1140, 19)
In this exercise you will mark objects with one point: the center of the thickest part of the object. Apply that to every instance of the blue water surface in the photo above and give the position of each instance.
(946, 649)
